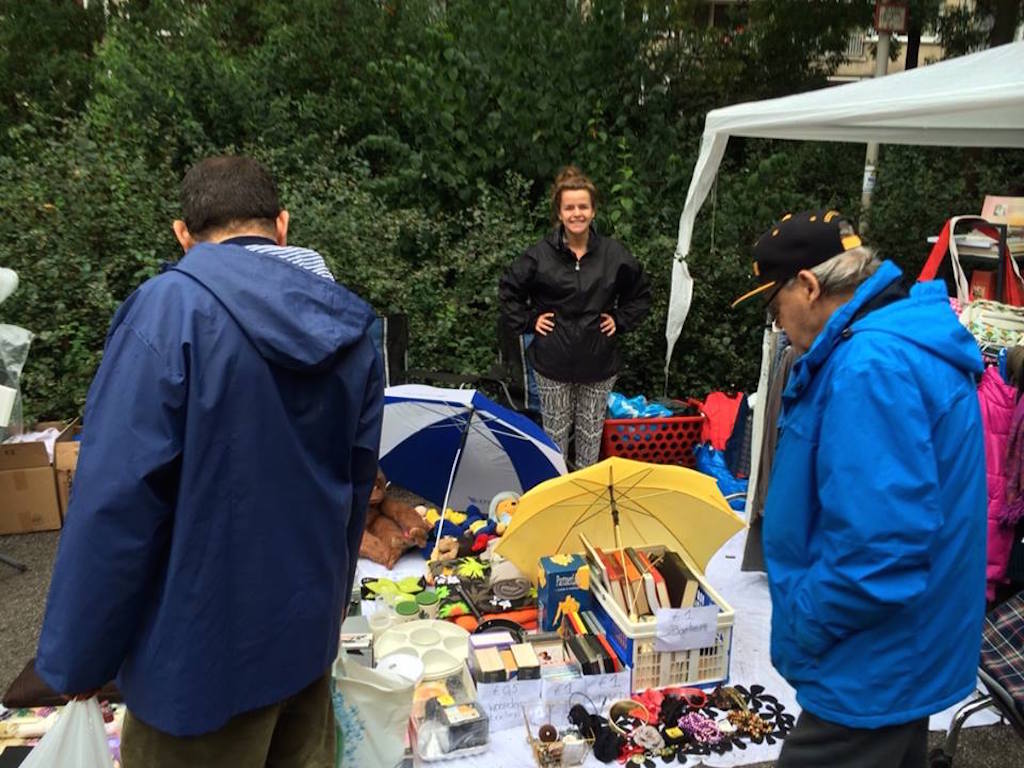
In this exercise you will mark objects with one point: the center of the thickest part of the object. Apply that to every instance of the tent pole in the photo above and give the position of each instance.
(871, 156)
(455, 469)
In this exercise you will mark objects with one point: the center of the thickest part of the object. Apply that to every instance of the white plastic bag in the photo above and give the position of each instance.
(371, 709)
(78, 740)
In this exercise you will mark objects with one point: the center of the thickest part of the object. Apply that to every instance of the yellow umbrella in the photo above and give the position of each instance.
(616, 503)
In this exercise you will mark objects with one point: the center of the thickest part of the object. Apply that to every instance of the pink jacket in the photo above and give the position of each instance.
(997, 400)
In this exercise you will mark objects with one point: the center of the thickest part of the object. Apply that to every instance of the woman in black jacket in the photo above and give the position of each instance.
(577, 291)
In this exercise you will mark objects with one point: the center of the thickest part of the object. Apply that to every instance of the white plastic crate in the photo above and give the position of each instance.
(634, 641)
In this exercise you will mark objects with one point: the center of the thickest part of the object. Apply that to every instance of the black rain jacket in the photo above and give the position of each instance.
(548, 278)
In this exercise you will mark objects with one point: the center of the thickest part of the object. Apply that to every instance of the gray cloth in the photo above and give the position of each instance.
(753, 555)
(814, 743)
(773, 408)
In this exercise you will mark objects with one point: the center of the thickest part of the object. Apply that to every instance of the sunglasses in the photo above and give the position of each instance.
(694, 697)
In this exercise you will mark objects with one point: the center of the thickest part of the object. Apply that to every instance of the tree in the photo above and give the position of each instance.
(46, 62)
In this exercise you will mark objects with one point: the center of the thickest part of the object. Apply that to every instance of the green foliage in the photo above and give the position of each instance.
(45, 63)
(82, 227)
(414, 142)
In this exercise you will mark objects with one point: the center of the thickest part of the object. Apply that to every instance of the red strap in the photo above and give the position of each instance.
(939, 251)
(1013, 291)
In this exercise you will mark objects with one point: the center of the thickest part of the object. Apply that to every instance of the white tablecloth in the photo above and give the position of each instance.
(747, 593)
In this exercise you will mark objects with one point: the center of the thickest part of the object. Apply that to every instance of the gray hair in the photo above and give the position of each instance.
(844, 272)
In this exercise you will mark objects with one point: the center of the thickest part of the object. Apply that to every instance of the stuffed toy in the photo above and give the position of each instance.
(447, 549)
(472, 530)
(503, 511)
(392, 526)
(503, 507)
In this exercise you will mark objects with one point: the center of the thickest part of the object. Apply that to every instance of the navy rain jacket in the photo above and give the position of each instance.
(231, 438)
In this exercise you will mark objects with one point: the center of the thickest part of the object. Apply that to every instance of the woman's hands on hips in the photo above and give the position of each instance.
(546, 323)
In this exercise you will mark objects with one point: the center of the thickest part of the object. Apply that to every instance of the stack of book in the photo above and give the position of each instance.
(642, 580)
(587, 642)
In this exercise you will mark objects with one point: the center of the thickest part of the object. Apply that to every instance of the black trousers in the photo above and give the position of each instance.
(816, 743)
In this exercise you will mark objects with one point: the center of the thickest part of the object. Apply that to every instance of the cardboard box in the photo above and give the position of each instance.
(65, 460)
(561, 578)
(33, 492)
(28, 491)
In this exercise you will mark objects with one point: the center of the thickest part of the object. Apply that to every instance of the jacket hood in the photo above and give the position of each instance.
(923, 319)
(294, 318)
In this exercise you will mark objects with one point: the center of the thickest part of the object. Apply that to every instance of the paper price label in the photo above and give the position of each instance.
(683, 629)
(504, 702)
(601, 689)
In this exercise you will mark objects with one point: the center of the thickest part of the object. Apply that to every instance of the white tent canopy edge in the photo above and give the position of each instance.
(975, 100)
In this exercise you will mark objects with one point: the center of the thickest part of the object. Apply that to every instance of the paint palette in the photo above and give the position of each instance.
(440, 645)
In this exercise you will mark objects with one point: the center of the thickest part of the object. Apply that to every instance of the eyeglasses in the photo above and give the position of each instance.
(772, 306)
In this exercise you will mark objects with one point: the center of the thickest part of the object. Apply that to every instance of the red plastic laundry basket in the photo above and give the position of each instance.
(668, 440)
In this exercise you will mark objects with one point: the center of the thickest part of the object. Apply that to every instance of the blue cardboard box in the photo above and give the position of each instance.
(562, 581)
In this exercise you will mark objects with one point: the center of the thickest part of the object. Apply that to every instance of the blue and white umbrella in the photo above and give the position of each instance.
(457, 447)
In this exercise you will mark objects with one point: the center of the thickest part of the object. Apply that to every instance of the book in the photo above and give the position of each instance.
(636, 592)
(616, 661)
(659, 580)
(681, 584)
(999, 209)
(590, 662)
(592, 624)
(598, 633)
(598, 568)
(600, 652)
(528, 666)
(616, 579)
(643, 566)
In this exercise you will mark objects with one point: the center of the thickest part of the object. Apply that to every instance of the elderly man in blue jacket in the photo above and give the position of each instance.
(231, 438)
(874, 527)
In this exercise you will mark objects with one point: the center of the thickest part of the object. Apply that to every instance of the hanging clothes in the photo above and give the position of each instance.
(997, 400)
(721, 410)
(753, 552)
(737, 448)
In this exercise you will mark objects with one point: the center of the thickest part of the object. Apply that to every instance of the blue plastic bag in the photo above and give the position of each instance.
(712, 462)
(622, 407)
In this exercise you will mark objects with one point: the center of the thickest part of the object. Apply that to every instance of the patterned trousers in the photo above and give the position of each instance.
(580, 408)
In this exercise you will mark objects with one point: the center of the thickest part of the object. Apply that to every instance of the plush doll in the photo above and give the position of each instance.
(447, 549)
(392, 526)
(503, 507)
(471, 531)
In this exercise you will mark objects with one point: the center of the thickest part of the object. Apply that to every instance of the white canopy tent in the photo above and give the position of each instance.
(971, 101)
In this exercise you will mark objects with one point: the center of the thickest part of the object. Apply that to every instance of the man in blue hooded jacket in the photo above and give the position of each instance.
(874, 526)
(231, 438)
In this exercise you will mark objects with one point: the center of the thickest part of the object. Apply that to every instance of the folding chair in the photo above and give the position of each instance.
(1001, 674)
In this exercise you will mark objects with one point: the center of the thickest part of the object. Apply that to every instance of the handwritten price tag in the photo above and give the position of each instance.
(682, 629)
(602, 689)
(504, 702)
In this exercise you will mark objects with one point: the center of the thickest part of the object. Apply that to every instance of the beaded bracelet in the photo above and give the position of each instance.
(701, 728)
(750, 723)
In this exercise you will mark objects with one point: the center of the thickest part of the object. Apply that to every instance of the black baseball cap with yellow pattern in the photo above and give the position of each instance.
(798, 241)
